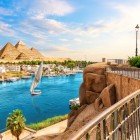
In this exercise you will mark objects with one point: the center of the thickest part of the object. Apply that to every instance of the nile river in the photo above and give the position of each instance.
(54, 100)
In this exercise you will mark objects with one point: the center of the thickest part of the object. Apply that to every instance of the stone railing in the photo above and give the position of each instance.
(130, 72)
(121, 121)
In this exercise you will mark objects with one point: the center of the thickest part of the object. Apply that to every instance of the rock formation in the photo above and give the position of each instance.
(95, 96)
(108, 96)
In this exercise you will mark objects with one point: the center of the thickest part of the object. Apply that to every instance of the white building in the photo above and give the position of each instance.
(117, 61)
(16, 68)
(2, 69)
(34, 68)
(26, 67)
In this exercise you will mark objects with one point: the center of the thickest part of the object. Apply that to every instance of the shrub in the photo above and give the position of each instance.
(74, 107)
(134, 61)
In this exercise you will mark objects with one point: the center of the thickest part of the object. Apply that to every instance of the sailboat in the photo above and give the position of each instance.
(38, 76)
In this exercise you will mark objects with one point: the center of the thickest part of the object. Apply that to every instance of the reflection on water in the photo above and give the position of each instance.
(56, 92)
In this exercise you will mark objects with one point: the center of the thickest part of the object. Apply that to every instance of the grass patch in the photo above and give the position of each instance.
(47, 122)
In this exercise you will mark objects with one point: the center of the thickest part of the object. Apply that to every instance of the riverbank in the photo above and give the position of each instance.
(52, 130)
(15, 76)
(50, 126)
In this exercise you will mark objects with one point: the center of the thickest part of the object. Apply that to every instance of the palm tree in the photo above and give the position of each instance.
(16, 123)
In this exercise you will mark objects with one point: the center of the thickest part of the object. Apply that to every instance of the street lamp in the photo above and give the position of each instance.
(137, 29)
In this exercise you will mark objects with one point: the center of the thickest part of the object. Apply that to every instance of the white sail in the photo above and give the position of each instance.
(37, 78)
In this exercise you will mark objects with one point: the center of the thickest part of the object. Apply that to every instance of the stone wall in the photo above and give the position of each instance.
(124, 85)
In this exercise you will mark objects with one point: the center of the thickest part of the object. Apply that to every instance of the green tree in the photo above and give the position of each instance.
(71, 65)
(134, 61)
(16, 123)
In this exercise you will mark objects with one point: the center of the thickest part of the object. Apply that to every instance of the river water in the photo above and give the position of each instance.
(54, 100)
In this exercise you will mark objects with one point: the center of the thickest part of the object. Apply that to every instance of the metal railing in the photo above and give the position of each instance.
(130, 72)
(119, 122)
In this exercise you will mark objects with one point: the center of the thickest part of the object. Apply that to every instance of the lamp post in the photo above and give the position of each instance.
(137, 29)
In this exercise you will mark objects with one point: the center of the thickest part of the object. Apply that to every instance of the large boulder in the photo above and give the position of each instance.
(97, 68)
(82, 92)
(87, 97)
(73, 114)
(98, 104)
(95, 82)
(108, 95)
(91, 97)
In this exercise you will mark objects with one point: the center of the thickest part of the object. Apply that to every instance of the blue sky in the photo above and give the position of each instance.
(79, 29)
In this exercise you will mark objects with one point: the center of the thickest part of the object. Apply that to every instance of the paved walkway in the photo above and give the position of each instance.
(8, 136)
(52, 130)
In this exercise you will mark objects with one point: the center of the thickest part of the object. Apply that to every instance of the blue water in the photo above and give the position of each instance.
(56, 93)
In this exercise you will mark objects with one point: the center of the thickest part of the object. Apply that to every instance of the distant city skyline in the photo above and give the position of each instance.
(78, 29)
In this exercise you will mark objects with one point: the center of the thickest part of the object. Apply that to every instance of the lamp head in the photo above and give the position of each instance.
(137, 27)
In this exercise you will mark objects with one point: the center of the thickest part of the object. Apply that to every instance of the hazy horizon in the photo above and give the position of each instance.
(76, 29)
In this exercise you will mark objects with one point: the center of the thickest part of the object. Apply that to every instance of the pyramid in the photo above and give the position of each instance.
(21, 47)
(36, 54)
(9, 51)
(21, 52)
(7, 57)
(22, 56)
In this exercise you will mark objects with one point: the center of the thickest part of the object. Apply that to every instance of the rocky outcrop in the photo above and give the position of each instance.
(95, 82)
(95, 96)
(98, 68)
(73, 114)
(93, 91)
(108, 95)
(91, 97)
(98, 104)
(82, 92)
(107, 98)
(87, 97)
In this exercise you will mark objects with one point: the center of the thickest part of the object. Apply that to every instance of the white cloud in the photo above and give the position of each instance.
(6, 30)
(63, 39)
(41, 29)
(5, 12)
(53, 26)
(40, 9)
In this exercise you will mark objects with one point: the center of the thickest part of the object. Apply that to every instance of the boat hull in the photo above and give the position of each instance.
(37, 92)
